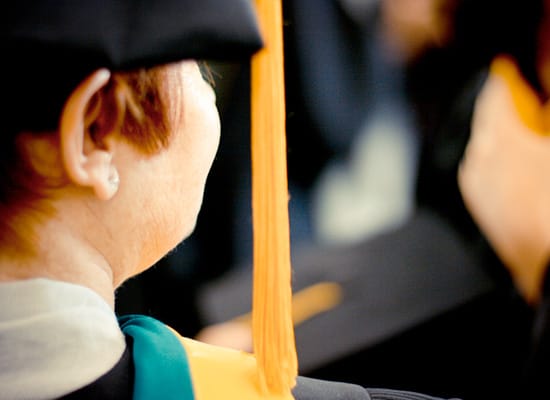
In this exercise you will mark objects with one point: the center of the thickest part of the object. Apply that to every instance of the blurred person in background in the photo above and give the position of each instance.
(504, 180)
(430, 288)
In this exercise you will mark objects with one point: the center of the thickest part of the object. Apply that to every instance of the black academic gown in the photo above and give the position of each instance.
(537, 369)
(118, 383)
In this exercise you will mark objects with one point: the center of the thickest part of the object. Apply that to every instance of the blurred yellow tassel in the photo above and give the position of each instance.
(272, 328)
(528, 105)
(308, 302)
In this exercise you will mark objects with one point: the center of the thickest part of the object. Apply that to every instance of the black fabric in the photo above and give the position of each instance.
(388, 394)
(130, 33)
(315, 389)
(538, 367)
(116, 384)
(51, 45)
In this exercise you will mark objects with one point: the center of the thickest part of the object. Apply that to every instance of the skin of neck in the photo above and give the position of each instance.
(70, 246)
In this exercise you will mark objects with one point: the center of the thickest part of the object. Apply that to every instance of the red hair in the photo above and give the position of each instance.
(137, 104)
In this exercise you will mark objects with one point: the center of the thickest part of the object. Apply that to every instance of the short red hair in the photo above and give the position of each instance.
(148, 112)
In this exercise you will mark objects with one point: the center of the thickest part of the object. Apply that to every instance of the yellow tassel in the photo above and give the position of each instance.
(272, 329)
(528, 105)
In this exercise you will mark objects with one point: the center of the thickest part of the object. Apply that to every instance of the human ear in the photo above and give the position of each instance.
(87, 166)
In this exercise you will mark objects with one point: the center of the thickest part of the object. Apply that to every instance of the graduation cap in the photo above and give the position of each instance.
(48, 46)
(407, 309)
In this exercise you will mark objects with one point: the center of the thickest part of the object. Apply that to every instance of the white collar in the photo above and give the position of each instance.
(55, 337)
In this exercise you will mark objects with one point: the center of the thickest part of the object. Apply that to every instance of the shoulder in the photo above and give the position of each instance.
(217, 372)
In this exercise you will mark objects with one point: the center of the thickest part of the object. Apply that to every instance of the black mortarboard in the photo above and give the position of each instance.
(48, 46)
(416, 307)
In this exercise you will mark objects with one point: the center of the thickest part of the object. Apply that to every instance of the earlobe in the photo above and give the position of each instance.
(86, 167)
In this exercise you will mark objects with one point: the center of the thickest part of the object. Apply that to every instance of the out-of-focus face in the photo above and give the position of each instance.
(416, 25)
(162, 194)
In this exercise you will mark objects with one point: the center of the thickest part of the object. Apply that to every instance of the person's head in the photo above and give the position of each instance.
(109, 129)
(411, 27)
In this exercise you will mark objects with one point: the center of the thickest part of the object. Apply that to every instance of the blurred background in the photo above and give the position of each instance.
(379, 100)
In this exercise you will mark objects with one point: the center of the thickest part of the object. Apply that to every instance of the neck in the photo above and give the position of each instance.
(75, 261)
